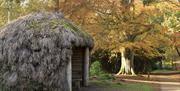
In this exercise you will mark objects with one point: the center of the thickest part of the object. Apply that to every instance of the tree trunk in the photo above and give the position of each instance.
(9, 3)
(9, 16)
(127, 62)
(177, 50)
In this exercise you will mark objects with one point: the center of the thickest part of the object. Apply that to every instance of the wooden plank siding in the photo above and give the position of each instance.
(77, 63)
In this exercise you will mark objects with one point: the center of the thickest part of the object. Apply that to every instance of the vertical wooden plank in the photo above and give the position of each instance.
(86, 67)
(77, 63)
(69, 74)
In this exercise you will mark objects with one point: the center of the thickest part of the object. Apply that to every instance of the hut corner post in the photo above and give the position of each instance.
(86, 67)
(69, 74)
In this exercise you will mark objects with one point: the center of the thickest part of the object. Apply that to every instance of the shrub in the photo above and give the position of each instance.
(96, 70)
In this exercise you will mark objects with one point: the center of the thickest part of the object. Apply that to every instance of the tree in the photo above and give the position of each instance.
(169, 20)
(118, 25)
(12, 9)
(128, 28)
(7, 5)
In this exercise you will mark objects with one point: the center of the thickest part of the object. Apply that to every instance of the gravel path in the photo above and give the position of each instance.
(169, 88)
(154, 82)
(161, 86)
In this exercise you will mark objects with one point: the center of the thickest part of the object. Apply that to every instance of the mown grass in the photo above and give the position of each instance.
(123, 86)
(165, 71)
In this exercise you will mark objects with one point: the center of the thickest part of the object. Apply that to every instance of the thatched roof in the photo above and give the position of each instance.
(35, 49)
(46, 24)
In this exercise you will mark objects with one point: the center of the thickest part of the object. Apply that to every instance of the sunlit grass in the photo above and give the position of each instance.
(165, 71)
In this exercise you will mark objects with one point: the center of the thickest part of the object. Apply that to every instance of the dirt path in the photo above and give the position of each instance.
(159, 78)
(161, 86)
(169, 88)
(154, 82)
(168, 82)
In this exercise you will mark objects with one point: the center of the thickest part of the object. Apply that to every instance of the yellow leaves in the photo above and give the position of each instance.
(117, 23)
(168, 5)
(164, 29)
(151, 11)
(138, 5)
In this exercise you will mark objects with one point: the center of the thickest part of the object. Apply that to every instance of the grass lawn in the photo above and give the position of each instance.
(124, 86)
(165, 71)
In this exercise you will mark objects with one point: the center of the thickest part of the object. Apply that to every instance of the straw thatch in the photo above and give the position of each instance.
(35, 49)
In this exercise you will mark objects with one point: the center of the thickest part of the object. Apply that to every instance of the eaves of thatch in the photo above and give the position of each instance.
(44, 24)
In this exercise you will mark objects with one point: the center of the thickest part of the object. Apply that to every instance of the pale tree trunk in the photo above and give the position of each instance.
(9, 16)
(127, 62)
(9, 5)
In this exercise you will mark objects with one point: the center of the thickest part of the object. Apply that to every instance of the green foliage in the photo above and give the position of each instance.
(156, 19)
(96, 70)
(172, 21)
(161, 71)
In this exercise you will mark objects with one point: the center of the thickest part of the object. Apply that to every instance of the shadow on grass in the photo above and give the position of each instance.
(122, 85)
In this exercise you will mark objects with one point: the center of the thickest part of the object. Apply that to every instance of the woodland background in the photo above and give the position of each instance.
(147, 32)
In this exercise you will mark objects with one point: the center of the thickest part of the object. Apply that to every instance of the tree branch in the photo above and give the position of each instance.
(177, 50)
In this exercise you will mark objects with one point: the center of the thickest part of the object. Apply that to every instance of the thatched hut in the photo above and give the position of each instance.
(43, 51)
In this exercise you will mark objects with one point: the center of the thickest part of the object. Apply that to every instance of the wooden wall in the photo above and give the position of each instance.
(77, 63)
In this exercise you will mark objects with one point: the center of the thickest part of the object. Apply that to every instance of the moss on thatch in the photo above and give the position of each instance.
(35, 49)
